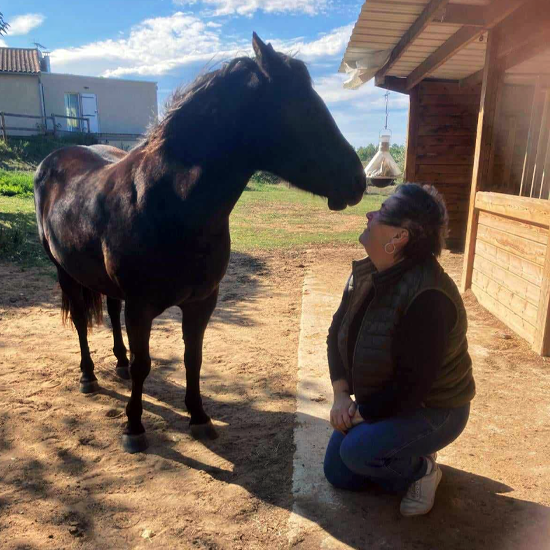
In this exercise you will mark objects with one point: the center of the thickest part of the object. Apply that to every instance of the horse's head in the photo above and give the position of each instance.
(301, 142)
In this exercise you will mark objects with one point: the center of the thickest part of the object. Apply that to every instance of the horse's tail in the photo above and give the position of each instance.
(89, 300)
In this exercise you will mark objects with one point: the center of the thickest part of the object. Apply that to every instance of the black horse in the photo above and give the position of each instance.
(151, 227)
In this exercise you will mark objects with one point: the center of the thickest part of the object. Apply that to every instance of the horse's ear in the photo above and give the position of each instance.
(266, 56)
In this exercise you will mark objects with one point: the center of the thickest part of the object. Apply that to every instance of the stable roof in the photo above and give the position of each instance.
(401, 42)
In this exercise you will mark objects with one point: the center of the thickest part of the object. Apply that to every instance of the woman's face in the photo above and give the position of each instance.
(377, 235)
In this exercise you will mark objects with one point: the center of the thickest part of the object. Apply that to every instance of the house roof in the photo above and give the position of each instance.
(19, 60)
(442, 39)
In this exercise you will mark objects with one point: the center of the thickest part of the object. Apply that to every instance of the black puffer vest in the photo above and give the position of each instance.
(394, 291)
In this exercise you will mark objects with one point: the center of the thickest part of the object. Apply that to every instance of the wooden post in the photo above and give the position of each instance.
(541, 344)
(545, 185)
(509, 156)
(412, 135)
(4, 133)
(54, 125)
(496, 128)
(484, 141)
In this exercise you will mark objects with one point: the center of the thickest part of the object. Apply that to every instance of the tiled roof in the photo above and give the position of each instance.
(19, 60)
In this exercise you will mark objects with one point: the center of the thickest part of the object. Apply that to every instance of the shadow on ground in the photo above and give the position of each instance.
(471, 512)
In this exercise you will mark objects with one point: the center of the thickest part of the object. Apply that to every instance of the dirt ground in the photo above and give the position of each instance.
(65, 482)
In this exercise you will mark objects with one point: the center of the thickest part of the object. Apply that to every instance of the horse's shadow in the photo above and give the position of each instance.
(472, 511)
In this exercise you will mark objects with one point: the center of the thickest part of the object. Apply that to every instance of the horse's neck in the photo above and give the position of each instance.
(217, 124)
(212, 152)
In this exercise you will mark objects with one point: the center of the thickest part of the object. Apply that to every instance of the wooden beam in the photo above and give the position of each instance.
(541, 343)
(412, 135)
(536, 44)
(494, 14)
(484, 140)
(472, 80)
(499, 10)
(461, 14)
(523, 25)
(423, 20)
(457, 41)
(394, 84)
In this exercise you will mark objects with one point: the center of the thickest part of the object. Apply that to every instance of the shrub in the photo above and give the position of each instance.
(266, 178)
(16, 183)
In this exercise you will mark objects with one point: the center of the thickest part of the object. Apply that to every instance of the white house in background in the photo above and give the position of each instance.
(118, 110)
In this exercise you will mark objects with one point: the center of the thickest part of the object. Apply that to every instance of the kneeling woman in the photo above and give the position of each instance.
(398, 344)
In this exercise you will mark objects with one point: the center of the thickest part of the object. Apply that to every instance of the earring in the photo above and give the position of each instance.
(386, 249)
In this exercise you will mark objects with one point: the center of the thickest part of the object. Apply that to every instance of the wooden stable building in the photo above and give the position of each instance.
(478, 76)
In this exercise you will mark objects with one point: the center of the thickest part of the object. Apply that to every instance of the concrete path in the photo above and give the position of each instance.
(472, 511)
(312, 430)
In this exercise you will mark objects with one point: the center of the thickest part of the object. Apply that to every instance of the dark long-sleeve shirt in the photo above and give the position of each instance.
(417, 349)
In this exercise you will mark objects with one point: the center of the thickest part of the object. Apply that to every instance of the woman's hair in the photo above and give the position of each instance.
(421, 210)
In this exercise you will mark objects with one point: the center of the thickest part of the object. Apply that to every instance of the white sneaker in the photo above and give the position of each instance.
(420, 496)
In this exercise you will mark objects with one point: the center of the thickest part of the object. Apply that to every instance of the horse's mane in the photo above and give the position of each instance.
(185, 94)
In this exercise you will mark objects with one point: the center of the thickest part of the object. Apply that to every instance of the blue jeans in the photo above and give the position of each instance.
(391, 452)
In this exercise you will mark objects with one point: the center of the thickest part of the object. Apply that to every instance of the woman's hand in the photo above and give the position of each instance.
(342, 412)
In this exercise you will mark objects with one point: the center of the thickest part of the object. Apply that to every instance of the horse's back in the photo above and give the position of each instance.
(108, 152)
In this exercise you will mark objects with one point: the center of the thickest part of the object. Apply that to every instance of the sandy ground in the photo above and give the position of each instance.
(65, 483)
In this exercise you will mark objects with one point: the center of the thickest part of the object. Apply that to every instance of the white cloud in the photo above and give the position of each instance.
(23, 24)
(368, 97)
(154, 47)
(331, 89)
(248, 7)
(160, 45)
(360, 114)
(3, 44)
(328, 45)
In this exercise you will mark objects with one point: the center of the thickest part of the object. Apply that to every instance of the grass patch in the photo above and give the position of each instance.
(27, 153)
(18, 235)
(266, 217)
(16, 183)
(272, 216)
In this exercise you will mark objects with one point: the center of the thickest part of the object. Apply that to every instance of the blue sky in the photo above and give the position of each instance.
(171, 41)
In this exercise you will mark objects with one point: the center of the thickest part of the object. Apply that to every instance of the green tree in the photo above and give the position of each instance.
(366, 153)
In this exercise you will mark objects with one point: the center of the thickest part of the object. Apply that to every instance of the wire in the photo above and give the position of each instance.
(386, 95)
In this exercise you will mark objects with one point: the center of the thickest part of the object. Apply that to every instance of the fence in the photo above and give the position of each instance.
(41, 127)
(51, 125)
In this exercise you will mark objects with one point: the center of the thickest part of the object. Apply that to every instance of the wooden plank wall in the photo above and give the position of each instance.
(511, 134)
(509, 261)
(440, 150)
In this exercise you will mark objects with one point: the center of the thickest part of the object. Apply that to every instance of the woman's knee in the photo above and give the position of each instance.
(354, 451)
(336, 472)
(341, 477)
(359, 458)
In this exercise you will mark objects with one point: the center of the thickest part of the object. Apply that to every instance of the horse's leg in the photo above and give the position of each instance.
(138, 326)
(195, 317)
(114, 307)
(73, 293)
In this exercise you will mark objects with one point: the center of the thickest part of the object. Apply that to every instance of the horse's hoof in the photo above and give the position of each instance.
(89, 387)
(123, 372)
(134, 443)
(204, 431)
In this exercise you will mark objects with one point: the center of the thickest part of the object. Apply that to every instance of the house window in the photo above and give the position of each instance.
(72, 108)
